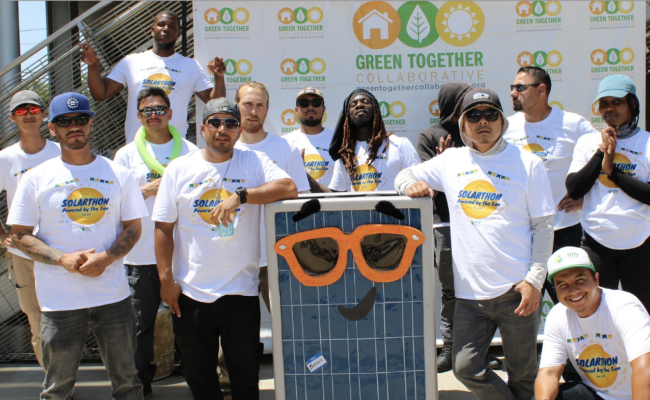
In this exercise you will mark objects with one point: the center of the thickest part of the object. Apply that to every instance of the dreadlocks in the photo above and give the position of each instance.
(349, 141)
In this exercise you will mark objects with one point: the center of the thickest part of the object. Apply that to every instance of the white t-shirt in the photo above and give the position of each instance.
(143, 252)
(492, 200)
(380, 175)
(552, 140)
(288, 158)
(180, 76)
(318, 162)
(78, 207)
(600, 346)
(610, 216)
(205, 266)
(14, 162)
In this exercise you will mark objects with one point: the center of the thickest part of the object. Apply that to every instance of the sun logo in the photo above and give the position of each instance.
(396, 109)
(556, 104)
(627, 56)
(241, 15)
(85, 206)
(376, 24)
(289, 117)
(241, 67)
(479, 199)
(460, 23)
(553, 8)
(625, 7)
(523, 9)
(554, 58)
(162, 81)
(434, 108)
(315, 15)
(208, 201)
(598, 366)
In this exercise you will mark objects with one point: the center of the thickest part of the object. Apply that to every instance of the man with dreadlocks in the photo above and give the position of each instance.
(612, 170)
(367, 157)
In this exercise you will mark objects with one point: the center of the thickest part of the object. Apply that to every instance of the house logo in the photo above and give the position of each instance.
(289, 117)
(396, 109)
(612, 56)
(418, 23)
(524, 8)
(556, 104)
(611, 7)
(434, 108)
(595, 109)
(241, 67)
(539, 59)
(303, 66)
(300, 15)
(226, 16)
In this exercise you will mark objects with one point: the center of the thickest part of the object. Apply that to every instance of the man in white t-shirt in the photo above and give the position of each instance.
(313, 139)
(87, 210)
(252, 100)
(367, 157)
(551, 134)
(156, 145)
(501, 216)
(162, 67)
(27, 112)
(207, 213)
(604, 333)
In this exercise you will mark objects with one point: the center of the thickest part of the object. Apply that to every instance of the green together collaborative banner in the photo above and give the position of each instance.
(404, 52)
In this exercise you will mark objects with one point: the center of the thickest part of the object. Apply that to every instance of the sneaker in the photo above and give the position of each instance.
(444, 359)
(495, 363)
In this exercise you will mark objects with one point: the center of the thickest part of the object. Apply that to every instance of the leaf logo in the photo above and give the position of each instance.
(418, 23)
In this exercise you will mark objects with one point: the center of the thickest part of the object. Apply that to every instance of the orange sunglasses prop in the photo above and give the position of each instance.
(399, 239)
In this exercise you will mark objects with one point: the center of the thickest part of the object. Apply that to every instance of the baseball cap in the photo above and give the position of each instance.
(312, 91)
(568, 258)
(481, 97)
(70, 103)
(221, 105)
(25, 97)
(615, 86)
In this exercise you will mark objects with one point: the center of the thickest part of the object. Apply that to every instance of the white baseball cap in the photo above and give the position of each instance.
(568, 258)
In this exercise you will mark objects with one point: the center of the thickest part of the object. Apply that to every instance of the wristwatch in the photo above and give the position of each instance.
(241, 192)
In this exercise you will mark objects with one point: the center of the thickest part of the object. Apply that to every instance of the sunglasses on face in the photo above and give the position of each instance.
(523, 86)
(147, 111)
(304, 103)
(64, 122)
(382, 253)
(32, 110)
(476, 115)
(230, 123)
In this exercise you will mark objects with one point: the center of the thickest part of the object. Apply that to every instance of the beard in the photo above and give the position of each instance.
(516, 105)
(362, 121)
(165, 45)
(252, 127)
(312, 122)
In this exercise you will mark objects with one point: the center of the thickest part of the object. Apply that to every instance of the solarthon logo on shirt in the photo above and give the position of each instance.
(366, 178)
(153, 175)
(162, 81)
(611, 14)
(479, 199)
(316, 165)
(623, 164)
(85, 206)
(300, 22)
(536, 149)
(598, 366)
(208, 201)
(538, 15)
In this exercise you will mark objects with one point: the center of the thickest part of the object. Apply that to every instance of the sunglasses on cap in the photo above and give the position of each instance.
(382, 253)
(490, 115)
(147, 111)
(230, 123)
(304, 103)
(520, 87)
(64, 122)
(31, 109)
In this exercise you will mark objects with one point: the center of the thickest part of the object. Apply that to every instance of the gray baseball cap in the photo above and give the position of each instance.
(221, 105)
(25, 97)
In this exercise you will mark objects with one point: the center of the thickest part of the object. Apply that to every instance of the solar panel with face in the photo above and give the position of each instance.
(380, 356)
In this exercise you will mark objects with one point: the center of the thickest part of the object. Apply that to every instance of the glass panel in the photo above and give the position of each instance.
(383, 250)
(317, 256)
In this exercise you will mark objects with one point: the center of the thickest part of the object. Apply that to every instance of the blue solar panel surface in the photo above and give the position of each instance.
(379, 357)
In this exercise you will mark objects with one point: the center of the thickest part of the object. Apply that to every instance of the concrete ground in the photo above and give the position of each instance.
(20, 381)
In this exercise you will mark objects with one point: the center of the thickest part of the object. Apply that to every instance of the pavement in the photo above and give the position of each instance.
(20, 381)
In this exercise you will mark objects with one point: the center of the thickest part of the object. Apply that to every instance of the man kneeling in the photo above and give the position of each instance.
(605, 333)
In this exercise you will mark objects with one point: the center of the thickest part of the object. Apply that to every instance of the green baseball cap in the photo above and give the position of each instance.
(568, 258)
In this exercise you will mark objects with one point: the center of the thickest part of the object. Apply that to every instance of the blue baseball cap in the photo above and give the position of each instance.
(70, 103)
(615, 86)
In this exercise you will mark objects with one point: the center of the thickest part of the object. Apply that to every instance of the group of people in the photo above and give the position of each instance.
(539, 201)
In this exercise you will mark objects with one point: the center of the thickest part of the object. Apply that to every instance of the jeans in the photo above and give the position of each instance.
(233, 320)
(64, 335)
(475, 323)
(145, 294)
(629, 266)
(576, 391)
(446, 276)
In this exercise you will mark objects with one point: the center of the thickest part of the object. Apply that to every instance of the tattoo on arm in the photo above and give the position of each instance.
(36, 249)
(124, 243)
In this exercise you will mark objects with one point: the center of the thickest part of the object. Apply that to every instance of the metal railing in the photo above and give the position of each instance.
(114, 30)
